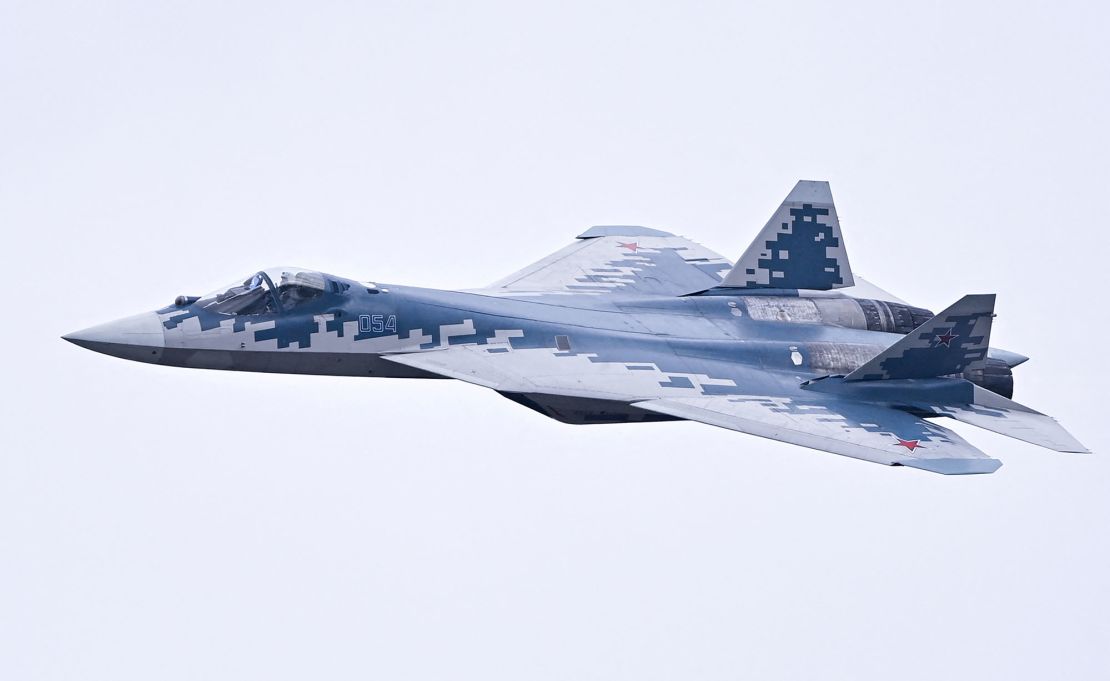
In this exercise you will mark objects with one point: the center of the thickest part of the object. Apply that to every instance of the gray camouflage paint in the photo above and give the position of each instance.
(635, 324)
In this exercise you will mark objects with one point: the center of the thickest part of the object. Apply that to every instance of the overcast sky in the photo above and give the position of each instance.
(161, 523)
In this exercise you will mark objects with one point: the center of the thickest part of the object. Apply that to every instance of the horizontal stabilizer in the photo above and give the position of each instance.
(997, 414)
(800, 247)
(946, 344)
(1010, 359)
(955, 398)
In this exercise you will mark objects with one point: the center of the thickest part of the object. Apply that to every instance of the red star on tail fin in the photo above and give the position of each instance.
(946, 338)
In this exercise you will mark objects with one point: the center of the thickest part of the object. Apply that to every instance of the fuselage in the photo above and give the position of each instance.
(346, 327)
(763, 343)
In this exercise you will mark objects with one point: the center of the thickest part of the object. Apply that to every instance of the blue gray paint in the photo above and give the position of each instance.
(634, 324)
(799, 253)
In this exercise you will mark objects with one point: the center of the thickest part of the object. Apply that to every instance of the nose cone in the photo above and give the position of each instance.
(140, 338)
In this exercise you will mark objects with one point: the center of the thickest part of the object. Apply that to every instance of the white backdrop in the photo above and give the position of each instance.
(173, 524)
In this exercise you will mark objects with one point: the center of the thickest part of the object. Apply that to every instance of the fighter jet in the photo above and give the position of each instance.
(633, 324)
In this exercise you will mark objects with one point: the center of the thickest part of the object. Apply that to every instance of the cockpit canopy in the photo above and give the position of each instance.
(272, 290)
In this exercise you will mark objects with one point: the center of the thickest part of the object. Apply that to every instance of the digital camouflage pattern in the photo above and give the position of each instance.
(636, 324)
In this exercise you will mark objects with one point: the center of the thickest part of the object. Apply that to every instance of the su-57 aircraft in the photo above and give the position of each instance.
(633, 324)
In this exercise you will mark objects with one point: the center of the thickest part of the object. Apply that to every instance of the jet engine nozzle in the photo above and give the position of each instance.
(993, 375)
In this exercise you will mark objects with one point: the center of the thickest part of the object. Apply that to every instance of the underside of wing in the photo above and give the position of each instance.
(620, 259)
(859, 430)
(852, 428)
(558, 371)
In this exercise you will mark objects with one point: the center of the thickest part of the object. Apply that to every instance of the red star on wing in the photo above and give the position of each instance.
(946, 338)
(908, 444)
(632, 246)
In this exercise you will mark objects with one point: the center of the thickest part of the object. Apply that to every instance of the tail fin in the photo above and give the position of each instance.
(800, 247)
(946, 344)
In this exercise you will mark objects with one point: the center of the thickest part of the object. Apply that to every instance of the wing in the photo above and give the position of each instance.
(856, 429)
(829, 423)
(558, 371)
(635, 260)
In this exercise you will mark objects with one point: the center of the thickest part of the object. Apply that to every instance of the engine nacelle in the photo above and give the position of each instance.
(849, 313)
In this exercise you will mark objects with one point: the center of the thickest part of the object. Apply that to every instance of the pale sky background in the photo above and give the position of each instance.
(161, 523)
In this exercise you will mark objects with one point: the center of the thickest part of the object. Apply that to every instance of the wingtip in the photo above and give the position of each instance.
(621, 230)
(954, 466)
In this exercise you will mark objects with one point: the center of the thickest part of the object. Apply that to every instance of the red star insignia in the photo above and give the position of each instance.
(946, 338)
(908, 444)
(632, 246)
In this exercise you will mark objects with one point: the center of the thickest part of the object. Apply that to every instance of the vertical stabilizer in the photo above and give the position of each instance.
(945, 345)
(800, 247)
